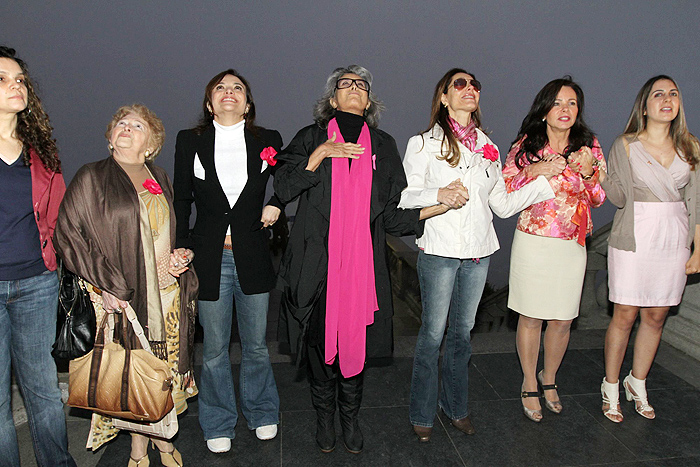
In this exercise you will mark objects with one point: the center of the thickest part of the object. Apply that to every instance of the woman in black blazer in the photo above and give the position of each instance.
(223, 166)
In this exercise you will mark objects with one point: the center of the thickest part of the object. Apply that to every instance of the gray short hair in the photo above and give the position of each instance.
(323, 111)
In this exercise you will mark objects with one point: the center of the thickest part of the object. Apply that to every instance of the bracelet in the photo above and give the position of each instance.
(596, 167)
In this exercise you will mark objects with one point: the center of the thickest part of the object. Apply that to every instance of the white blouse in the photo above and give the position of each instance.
(230, 160)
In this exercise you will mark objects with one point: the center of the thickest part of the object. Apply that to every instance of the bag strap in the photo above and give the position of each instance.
(138, 330)
(96, 362)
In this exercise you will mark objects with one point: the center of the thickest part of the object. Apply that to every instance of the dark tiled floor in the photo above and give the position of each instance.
(579, 436)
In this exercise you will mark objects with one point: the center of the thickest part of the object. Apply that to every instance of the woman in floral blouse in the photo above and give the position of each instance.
(548, 259)
(454, 164)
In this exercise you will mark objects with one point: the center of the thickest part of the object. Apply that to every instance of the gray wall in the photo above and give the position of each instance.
(91, 57)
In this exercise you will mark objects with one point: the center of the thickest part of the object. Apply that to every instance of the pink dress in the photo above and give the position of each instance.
(654, 274)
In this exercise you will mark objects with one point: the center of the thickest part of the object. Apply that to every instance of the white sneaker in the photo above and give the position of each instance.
(219, 445)
(266, 432)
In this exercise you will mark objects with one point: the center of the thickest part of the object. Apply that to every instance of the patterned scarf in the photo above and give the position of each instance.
(465, 134)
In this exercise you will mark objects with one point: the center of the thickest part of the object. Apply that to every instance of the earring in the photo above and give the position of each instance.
(111, 148)
(147, 153)
(544, 119)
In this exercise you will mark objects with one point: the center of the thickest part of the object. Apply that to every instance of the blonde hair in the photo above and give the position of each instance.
(683, 141)
(155, 126)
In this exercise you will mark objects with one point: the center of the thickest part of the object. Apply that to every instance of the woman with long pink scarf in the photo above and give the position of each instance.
(348, 177)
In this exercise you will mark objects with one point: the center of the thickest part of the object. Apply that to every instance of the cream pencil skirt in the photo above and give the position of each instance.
(546, 276)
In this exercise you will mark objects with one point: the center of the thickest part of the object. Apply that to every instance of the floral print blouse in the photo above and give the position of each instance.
(562, 216)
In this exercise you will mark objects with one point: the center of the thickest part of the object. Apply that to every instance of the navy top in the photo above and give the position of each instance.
(20, 246)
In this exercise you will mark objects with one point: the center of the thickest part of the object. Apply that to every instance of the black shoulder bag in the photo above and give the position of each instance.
(76, 325)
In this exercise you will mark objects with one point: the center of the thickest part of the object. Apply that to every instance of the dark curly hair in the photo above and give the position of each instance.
(33, 127)
(534, 128)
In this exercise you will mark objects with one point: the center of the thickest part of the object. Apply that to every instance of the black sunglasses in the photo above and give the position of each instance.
(344, 83)
(461, 83)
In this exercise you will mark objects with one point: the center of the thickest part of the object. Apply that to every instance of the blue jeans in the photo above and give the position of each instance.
(260, 402)
(28, 310)
(453, 287)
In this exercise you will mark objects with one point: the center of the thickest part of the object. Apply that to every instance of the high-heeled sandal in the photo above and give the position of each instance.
(611, 396)
(533, 414)
(169, 459)
(552, 406)
(143, 462)
(637, 389)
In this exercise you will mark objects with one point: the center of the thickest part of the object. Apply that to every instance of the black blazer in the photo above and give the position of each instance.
(250, 243)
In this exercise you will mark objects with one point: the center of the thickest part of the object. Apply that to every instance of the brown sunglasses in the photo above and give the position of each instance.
(461, 83)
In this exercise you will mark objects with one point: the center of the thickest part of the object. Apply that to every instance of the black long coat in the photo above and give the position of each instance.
(251, 252)
(304, 265)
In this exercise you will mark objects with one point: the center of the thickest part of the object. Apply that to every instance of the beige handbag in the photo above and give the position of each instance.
(164, 428)
(120, 382)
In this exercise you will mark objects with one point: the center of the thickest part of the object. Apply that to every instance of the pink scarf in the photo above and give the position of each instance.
(465, 134)
(351, 297)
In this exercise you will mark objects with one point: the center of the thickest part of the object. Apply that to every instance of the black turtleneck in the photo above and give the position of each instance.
(350, 125)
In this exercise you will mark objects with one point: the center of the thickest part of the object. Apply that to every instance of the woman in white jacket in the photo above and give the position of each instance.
(456, 164)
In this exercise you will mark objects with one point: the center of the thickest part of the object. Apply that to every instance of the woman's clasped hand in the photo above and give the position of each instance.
(454, 195)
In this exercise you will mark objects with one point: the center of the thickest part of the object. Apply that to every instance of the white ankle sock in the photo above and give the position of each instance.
(638, 385)
(612, 391)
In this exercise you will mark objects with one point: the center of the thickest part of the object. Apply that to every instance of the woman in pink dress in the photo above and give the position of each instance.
(653, 180)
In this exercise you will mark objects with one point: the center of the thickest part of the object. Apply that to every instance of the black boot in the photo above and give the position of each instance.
(349, 401)
(323, 399)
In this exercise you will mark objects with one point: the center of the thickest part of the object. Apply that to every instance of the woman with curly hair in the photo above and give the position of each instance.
(653, 181)
(31, 187)
(117, 231)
